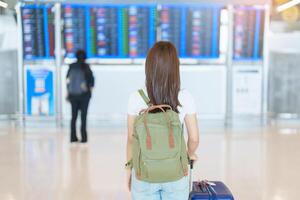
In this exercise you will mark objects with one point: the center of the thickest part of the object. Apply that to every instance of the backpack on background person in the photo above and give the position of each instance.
(76, 82)
(159, 152)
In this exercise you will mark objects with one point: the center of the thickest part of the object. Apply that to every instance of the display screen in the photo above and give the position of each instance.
(138, 30)
(193, 29)
(74, 29)
(109, 31)
(126, 31)
(103, 32)
(170, 25)
(248, 33)
(38, 31)
(202, 32)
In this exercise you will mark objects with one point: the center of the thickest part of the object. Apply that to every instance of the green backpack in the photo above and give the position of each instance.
(159, 151)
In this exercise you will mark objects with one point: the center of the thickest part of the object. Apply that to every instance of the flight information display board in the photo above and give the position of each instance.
(202, 32)
(103, 32)
(109, 31)
(170, 25)
(248, 33)
(129, 31)
(138, 32)
(38, 31)
(193, 29)
(74, 28)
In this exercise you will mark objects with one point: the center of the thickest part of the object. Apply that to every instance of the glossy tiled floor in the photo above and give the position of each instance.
(40, 164)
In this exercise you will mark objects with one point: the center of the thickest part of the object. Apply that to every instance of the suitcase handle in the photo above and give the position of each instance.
(191, 164)
(191, 177)
(203, 185)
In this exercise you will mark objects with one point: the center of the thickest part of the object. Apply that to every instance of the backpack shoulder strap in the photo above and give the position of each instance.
(145, 98)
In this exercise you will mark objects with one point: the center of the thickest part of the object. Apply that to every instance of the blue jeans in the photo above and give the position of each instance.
(177, 190)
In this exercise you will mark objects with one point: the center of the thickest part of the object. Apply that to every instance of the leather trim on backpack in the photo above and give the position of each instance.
(171, 134)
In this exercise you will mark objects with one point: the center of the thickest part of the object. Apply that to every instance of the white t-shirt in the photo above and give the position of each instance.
(136, 104)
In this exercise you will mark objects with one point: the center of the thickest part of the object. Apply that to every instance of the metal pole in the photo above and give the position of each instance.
(265, 69)
(21, 109)
(58, 64)
(229, 71)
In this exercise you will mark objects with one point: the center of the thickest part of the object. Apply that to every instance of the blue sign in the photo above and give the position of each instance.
(40, 94)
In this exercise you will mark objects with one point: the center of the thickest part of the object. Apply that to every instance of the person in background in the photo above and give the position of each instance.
(162, 87)
(80, 83)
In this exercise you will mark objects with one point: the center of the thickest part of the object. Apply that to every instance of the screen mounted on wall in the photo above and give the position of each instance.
(248, 33)
(38, 31)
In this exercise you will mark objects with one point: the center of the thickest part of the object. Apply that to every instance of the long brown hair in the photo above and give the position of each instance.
(162, 75)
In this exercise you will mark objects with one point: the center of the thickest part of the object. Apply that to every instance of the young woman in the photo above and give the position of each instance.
(163, 87)
(80, 82)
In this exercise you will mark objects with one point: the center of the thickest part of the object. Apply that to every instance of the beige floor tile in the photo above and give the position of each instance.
(258, 164)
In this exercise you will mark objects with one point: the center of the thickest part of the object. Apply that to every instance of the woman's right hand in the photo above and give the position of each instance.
(193, 157)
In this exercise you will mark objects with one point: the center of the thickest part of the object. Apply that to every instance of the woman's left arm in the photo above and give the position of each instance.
(130, 127)
(91, 79)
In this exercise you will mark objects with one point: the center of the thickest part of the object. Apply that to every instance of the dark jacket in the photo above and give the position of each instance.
(89, 77)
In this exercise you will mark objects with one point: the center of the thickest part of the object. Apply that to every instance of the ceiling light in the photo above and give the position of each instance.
(287, 5)
(3, 4)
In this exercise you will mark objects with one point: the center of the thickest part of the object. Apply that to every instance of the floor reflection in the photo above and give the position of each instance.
(79, 186)
(260, 164)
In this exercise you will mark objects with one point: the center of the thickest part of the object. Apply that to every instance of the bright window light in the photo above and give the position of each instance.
(3, 4)
(287, 5)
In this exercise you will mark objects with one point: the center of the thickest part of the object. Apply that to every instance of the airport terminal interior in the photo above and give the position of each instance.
(239, 60)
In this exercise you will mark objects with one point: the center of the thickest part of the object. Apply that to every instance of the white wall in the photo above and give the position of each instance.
(114, 84)
(286, 42)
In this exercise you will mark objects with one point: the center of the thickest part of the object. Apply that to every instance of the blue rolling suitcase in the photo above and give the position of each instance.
(209, 190)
